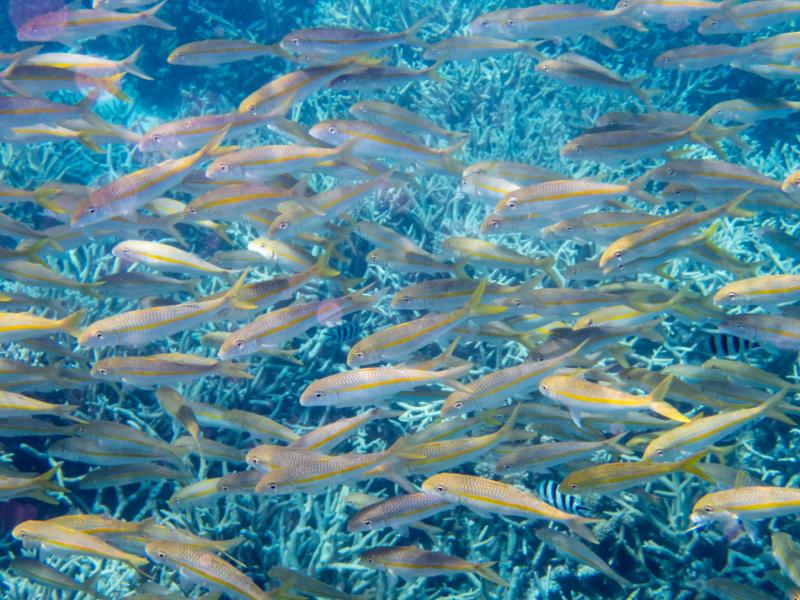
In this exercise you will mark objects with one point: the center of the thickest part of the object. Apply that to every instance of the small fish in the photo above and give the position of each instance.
(399, 118)
(204, 568)
(703, 432)
(192, 133)
(332, 44)
(258, 426)
(704, 174)
(538, 458)
(16, 405)
(574, 505)
(555, 303)
(163, 257)
(750, 16)
(34, 80)
(285, 256)
(399, 341)
(764, 291)
(492, 255)
(728, 589)
(309, 585)
(411, 262)
(698, 57)
(651, 239)
(71, 26)
(598, 227)
(137, 327)
(580, 395)
(327, 437)
(752, 111)
(216, 52)
(574, 549)
(442, 295)
(378, 78)
(44, 574)
(386, 237)
(162, 369)
(130, 474)
(410, 562)
(276, 327)
(68, 542)
(470, 47)
(610, 478)
(399, 513)
(746, 504)
(31, 487)
(519, 173)
(20, 326)
(675, 14)
(229, 202)
(577, 70)
(135, 284)
(90, 65)
(771, 330)
(492, 497)
(209, 450)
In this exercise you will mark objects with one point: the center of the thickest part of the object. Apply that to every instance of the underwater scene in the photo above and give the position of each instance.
(361, 299)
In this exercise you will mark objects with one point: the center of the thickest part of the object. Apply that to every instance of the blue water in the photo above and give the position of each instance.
(510, 113)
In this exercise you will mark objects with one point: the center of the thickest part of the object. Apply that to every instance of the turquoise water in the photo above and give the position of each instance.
(504, 109)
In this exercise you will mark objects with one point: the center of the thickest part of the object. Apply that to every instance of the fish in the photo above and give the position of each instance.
(378, 78)
(46, 575)
(14, 405)
(258, 426)
(442, 295)
(410, 562)
(492, 390)
(125, 195)
(397, 117)
(518, 173)
(136, 327)
(729, 589)
(749, 17)
(399, 513)
(311, 586)
(329, 436)
(537, 459)
(372, 385)
(72, 25)
(579, 395)
(675, 14)
(698, 57)
(267, 457)
(204, 568)
(411, 262)
(746, 504)
(574, 549)
(95, 66)
(470, 47)
(288, 257)
(611, 478)
(776, 331)
(192, 133)
(577, 70)
(63, 541)
(649, 240)
(229, 202)
(130, 474)
(492, 255)
(159, 369)
(763, 291)
(703, 432)
(163, 257)
(217, 52)
(276, 327)
(209, 449)
(332, 44)
(598, 227)
(752, 111)
(493, 497)
(20, 326)
(718, 174)
(548, 491)
(135, 284)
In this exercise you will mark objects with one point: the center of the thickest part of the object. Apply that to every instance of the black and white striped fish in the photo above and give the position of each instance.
(716, 343)
(548, 491)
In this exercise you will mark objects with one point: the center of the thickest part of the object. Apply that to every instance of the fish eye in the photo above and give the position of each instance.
(157, 139)
(589, 322)
(485, 23)
(254, 460)
(440, 488)
(283, 225)
(506, 466)
(296, 41)
(659, 453)
(102, 371)
(370, 560)
(99, 335)
(570, 227)
(252, 109)
(708, 509)
(368, 522)
(273, 487)
(192, 210)
(517, 303)
(22, 533)
(162, 555)
(495, 223)
(359, 355)
(318, 394)
(223, 168)
(618, 254)
(434, 50)
(573, 486)
(545, 387)
(510, 22)
(92, 210)
(225, 488)
(373, 257)
(406, 298)
(546, 69)
(459, 405)
(512, 203)
(578, 148)
(333, 129)
(239, 344)
(672, 172)
(732, 295)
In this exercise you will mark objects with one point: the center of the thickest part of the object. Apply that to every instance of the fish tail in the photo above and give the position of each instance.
(577, 525)
(774, 408)
(732, 208)
(613, 444)
(45, 480)
(129, 64)
(321, 268)
(234, 370)
(603, 39)
(85, 138)
(150, 19)
(71, 323)
(657, 404)
(232, 295)
(636, 189)
(212, 147)
(530, 48)
(346, 155)
(33, 250)
(485, 570)
(226, 545)
(410, 34)
(644, 94)
(21, 57)
(691, 465)
(448, 162)
(111, 85)
(634, 24)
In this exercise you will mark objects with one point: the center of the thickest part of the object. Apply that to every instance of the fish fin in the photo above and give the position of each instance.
(604, 39)
(772, 411)
(150, 19)
(129, 64)
(71, 323)
(231, 296)
(633, 24)
(21, 57)
(85, 138)
(235, 370)
(579, 528)
(111, 85)
(732, 208)
(485, 571)
(636, 189)
(410, 34)
(448, 162)
(644, 94)
(668, 411)
(576, 417)
(212, 146)
(346, 155)
(530, 49)
(41, 497)
(613, 444)
(690, 465)
(508, 427)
